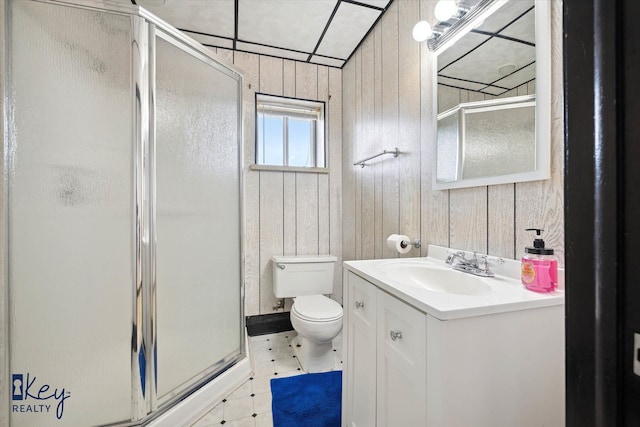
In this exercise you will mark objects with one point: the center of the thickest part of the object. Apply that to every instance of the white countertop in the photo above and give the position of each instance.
(506, 294)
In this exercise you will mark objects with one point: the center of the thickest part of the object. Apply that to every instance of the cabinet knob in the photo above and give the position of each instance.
(359, 304)
(395, 335)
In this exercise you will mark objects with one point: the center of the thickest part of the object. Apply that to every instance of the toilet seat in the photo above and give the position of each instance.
(317, 308)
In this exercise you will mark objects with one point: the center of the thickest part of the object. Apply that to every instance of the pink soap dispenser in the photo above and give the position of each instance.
(539, 267)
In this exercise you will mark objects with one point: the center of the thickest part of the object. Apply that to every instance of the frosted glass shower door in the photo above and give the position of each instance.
(198, 253)
(71, 229)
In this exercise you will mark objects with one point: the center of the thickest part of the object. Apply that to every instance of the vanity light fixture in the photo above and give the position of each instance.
(443, 34)
(422, 31)
(445, 10)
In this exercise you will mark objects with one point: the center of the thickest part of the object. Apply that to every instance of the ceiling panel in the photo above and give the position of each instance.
(323, 32)
(507, 13)
(348, 27)
(215, 17)
(288, 24)
(271, 51)
(327, 61)
(480, 64)
(211, 40)
(375, 3)
(460, 83)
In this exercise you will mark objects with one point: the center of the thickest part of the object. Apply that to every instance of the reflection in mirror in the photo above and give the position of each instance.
(491, 129)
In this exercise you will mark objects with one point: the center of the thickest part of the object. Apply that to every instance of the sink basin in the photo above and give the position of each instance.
(435, 279)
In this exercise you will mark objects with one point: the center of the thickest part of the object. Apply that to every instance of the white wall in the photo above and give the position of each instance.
(387, 101)
(289, 213)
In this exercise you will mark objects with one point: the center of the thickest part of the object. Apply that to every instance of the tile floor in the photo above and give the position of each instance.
(250, 404)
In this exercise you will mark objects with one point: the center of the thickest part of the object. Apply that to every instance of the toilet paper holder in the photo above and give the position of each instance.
(416, 243)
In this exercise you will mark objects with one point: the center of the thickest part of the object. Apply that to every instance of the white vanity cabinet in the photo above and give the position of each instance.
(385, 367)
(405, 367)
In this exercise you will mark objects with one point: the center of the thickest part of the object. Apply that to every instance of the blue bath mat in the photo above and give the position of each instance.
(309, 400)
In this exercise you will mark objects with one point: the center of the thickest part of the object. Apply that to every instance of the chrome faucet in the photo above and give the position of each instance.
(458, 261)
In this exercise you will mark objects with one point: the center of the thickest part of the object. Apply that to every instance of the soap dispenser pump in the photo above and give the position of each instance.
(539, 271)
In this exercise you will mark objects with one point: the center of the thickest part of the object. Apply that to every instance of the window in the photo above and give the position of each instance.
(289, 132)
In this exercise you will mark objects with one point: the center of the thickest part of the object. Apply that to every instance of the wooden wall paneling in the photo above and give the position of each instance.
(367, 148)
(249, 64)
(289, 78)
(306, 80)
(468, 217)
(306, 183)
(358, 153)
(409, 108)
(271, 234)
(225, 54)
(434, 203)
(271, 197)
(323, 179)
(541, 204)
(475, 96)
(501, 220)
(271, 75)
(379, 241)
(389, 87)
(449, 97)
(334, 107)
(348, 158)
(306, 214)
(289, 178)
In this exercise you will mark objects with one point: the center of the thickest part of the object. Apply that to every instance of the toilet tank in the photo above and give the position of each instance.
(295, 276)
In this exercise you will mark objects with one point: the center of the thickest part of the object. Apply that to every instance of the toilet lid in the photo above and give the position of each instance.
(317, 307)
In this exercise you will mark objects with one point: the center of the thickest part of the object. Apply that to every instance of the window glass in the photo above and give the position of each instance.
(289, 132)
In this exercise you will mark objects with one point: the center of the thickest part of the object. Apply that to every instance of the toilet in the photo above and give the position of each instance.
(316, 318)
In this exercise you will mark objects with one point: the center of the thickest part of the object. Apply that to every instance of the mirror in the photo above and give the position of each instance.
(493, 96)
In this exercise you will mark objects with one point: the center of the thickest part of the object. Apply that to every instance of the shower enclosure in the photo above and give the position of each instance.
(123, 208)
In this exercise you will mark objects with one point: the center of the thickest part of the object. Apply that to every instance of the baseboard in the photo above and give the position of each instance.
(202, 401)
(268, 324)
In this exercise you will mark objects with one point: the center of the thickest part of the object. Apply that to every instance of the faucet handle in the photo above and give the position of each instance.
(485, 263)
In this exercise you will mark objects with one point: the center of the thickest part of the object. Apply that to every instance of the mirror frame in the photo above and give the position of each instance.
(543, 109)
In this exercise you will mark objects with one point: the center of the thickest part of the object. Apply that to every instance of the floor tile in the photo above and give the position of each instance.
(243, 391)
(262, 403)
(212, 418)
(250, 404)
(235, 409)
(264, 420)
(249, 421)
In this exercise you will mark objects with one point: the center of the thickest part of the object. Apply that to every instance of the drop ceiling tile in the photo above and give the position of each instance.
(215, 17)
(271, 51)
(327, 61)
(492, 90)
(503, 16)
(211, 40)
(460, 83)
(348, 27)
(481, 65)
(288, 24)
(376, 3)
(523, 28)
(519, 78)
(459, 49)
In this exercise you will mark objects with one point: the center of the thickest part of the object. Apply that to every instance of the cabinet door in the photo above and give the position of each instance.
(360, 366)
(401, 365)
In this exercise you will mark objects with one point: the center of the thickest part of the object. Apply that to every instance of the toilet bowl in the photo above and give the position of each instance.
(318, 320)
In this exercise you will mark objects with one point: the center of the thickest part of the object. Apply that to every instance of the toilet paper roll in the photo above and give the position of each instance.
(395, 242)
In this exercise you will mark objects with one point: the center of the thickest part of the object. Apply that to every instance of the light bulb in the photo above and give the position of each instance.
(421, 31)
(445, 9)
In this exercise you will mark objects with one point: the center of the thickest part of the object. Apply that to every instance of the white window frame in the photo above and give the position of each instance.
(293, 108)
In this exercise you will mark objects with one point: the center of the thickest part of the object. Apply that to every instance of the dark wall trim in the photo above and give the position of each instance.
(592, 212)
